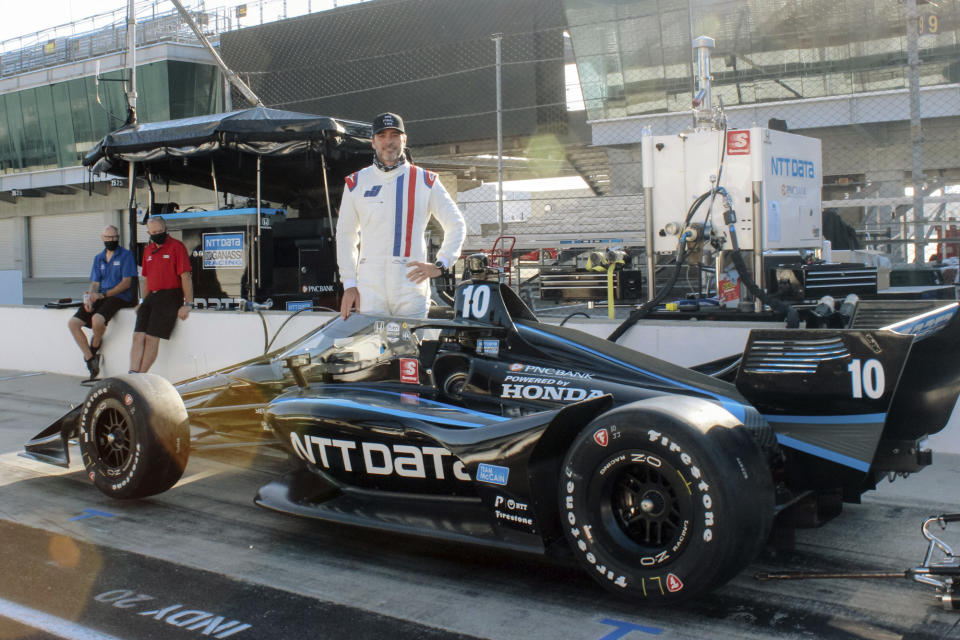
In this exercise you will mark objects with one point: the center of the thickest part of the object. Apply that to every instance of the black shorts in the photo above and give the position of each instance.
(106, 307)
(157, 314)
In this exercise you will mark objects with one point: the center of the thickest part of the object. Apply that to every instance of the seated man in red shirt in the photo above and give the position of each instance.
(166, 267)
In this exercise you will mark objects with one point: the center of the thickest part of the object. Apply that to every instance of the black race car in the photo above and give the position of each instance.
(490, 427)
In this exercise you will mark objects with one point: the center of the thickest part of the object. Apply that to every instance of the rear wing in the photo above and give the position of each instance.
(930, 382)
(838, 393)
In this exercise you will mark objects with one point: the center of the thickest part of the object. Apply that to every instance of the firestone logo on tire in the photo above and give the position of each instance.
(601, 437)
(674, 583)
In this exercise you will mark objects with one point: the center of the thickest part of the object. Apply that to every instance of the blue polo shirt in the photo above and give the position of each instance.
(109, 274)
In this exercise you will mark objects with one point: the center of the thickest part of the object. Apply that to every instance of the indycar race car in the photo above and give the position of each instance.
(493, 428)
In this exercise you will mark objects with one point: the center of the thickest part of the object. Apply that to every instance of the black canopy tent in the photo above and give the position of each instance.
(295, 159)
(281, 156)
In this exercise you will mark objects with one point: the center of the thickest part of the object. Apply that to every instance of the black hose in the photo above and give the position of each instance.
(266, 349)
(648, 306)
(575, 313)
(791, 316)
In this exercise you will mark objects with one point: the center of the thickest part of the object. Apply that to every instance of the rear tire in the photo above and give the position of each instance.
(134, 436)
(658, 508)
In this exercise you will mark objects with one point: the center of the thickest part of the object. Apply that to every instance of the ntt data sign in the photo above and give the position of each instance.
(223, 250)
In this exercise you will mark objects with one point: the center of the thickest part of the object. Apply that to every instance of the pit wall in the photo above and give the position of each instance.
(36, 339)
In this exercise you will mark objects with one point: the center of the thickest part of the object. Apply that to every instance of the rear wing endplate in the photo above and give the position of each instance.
(836, 393)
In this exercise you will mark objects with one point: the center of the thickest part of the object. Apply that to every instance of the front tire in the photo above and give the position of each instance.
(661, 508)
(134, 436)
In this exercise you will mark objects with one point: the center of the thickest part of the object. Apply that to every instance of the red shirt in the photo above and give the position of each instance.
(163, 265)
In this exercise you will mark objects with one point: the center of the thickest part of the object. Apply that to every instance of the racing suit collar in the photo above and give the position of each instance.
(379, 165)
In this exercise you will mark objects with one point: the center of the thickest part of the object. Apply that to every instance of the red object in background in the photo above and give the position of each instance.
(501, 256)
(728, 289)
(530, 255)
(548, 254)
(951, 248)
(738, 143)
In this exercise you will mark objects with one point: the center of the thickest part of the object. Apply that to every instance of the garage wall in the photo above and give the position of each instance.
(63, 246)
(8, 243)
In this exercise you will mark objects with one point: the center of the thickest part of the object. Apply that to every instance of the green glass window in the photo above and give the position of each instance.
(55, 125)
(635, 56)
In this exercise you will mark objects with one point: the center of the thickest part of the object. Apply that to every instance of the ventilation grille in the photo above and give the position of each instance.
(877, 314)
(792, 356)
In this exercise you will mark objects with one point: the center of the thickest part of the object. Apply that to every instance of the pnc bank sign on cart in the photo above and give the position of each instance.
(223, 250)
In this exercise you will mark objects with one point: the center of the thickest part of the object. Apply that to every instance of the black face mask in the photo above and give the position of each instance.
(158, 238)
(111, 245)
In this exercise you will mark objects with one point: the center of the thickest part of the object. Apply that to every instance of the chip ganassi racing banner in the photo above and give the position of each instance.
(223, 250)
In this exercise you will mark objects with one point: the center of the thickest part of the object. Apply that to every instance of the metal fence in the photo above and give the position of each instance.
(580, 81)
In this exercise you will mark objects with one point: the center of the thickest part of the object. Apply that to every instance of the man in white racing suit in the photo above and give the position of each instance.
(385, 209)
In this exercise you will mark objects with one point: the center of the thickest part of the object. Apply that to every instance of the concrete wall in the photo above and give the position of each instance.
(37, 339)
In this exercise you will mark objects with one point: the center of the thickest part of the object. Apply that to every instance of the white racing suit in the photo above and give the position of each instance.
(386, 213)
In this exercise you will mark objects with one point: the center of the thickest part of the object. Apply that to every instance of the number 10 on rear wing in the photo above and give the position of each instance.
(863, 399)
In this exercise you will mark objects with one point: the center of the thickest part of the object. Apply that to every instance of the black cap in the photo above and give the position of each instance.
(387, 121)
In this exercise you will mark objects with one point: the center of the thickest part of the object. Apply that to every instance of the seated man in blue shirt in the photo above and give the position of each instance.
(113, 273)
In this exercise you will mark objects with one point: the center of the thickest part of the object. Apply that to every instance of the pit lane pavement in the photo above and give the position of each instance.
(202, 561)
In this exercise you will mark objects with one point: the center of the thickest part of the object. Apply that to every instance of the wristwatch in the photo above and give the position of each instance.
(443, 268)
(188, 304)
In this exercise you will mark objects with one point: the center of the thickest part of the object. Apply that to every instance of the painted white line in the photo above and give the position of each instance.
(22, 375)
(49, 623)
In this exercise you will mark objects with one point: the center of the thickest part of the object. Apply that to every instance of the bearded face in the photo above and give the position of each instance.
(388, 145)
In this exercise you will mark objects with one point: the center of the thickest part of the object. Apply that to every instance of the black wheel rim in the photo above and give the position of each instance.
(648, 509)
(113, 437)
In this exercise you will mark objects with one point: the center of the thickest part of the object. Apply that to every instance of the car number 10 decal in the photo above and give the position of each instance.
(866, 378)
(476, 301)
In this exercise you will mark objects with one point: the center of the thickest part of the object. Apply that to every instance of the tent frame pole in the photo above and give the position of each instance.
(326, 193)
(255, 281)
